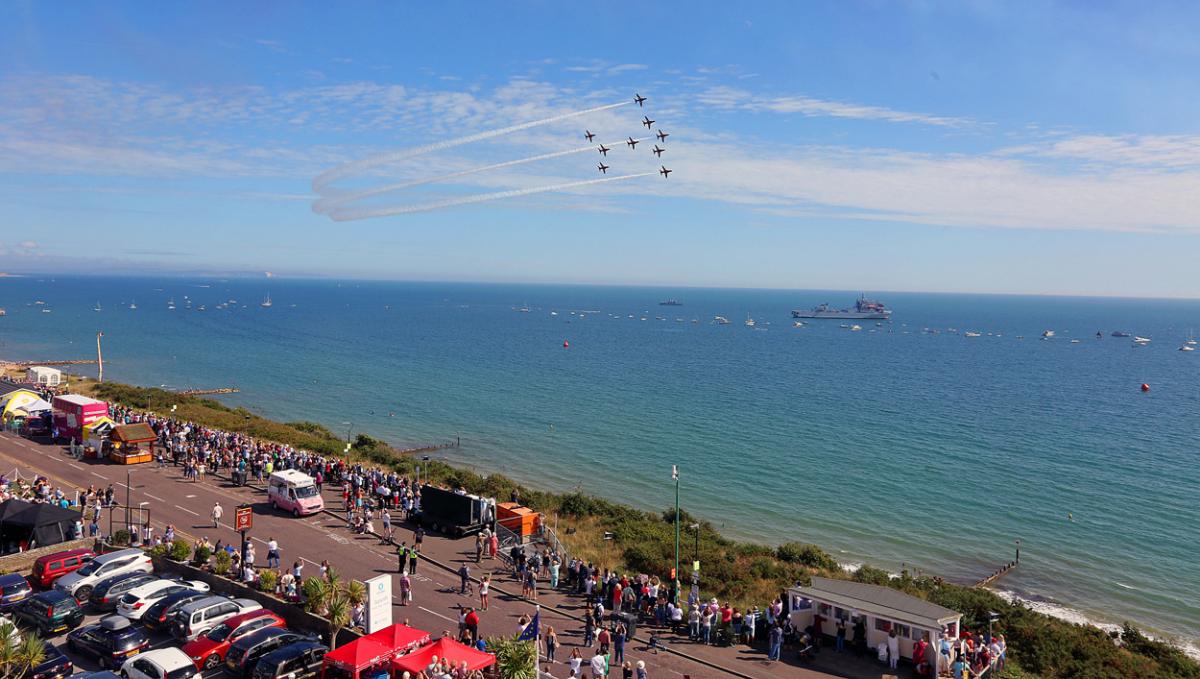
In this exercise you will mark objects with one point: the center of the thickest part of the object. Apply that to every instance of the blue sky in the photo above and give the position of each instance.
(1026, 147)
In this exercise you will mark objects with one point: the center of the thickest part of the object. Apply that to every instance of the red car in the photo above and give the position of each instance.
(51, 567)
(208, 650)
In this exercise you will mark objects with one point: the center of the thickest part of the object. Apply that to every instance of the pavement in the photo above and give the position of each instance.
(313, 539)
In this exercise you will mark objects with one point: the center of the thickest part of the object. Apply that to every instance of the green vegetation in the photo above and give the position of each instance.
(180, 550)
(267, 581)
(222, 562)
(18, 657)
(739, 572)
(515, 659)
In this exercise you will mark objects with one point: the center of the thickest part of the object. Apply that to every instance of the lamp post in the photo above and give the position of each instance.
(608, 538)
(349, 428)
(675, 475)
(128, 483)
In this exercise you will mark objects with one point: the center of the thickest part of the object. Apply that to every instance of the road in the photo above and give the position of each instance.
(187, 506)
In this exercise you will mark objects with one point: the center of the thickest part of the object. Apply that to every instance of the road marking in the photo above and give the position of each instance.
(187, 510)
(72, 464)
(154, 497)
(190, 496)
(100, 475)
(437, 614)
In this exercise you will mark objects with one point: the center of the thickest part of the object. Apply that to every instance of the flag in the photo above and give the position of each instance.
(674, 473)
(530, 633)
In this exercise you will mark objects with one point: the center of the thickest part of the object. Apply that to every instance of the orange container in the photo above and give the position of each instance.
(520, 520)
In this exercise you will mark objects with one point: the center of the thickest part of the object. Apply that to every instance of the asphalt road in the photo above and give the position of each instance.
(187, 505)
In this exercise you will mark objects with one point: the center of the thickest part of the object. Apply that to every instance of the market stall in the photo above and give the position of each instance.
(447, 650)
(127, 440)
(371, 657)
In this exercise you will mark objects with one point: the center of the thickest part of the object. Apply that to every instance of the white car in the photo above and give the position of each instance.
(80, 583)
(133, 604)
(161, 663)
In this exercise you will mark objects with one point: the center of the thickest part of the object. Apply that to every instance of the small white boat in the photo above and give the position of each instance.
(971, 334)
(171, 304)
(749, 321)
(855, 328)
(798, 324)
(1187, 348)
(1047, 334)
(1074, 341)
(720, 320)
(45, 310)
(266, 303)
(97, 307)
(133, 306)
(1141, 341)
(553, 313)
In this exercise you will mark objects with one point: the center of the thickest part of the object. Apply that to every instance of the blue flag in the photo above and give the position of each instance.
(531, 630)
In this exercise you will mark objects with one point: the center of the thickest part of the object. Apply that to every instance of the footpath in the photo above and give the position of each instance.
(325, 537)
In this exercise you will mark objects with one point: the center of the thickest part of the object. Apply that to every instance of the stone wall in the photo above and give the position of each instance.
(23, 562)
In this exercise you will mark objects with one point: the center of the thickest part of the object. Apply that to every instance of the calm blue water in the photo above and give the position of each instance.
(887, 446)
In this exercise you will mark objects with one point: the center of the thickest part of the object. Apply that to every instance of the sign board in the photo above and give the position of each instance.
(243, 518)
(379, 602)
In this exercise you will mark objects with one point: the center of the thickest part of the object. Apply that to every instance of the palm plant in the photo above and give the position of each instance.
(18, 657)
(316, 595)
(515, 659)
(338, 612)
(356, 592)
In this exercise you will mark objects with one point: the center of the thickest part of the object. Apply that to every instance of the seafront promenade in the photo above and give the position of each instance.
(324, 537)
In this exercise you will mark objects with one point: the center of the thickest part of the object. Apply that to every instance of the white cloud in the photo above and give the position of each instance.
(1177, 151)
(625, 68)
(725, 97)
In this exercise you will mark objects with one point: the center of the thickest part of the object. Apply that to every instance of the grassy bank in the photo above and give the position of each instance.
(740, 572)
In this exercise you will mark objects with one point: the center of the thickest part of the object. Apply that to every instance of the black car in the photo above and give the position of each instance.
(108, 592)
(50, 612)
(299, 660)
(111, 641)
(245, 653)
(158, 616)
(13, 589)
(54, 665)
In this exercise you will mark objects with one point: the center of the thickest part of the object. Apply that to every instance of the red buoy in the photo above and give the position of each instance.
(1145, 387)
(567, 345)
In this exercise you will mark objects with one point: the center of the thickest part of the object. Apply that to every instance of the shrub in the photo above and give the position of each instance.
(120, 538)
(873, 576)
(202, 555)
(180, 550)
(267, 580)
(222, 562)
(806, 555)
(159, 551)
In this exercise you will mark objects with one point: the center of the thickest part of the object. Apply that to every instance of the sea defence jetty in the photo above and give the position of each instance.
(432, 447)
(79, 361)
(206, 392)
(1003, 571)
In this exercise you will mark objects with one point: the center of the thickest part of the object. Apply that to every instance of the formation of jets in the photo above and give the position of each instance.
(632, 143)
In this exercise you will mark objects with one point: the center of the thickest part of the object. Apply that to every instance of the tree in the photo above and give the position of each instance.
(18, 656)
(339, 616)
(316, 595)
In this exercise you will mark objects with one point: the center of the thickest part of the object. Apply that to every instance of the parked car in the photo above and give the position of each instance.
(109, 591)
(55, 664)
(50, 612)
(297, 661)
(198, 617)
(134, 602)
(111, 641)
(209, 650)
(161, 663)
(158, 615)
(245, 653)
(13, 589)
(80, 583)
(49, 568)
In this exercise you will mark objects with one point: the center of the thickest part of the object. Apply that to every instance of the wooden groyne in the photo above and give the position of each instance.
(205, 392)
(1003, 571)
(431, 448)
(82, 361)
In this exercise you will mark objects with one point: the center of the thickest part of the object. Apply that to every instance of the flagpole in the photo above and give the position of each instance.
(675, 473)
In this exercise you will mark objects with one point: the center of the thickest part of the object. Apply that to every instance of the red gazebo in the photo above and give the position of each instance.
(370, 657)
(446, 649)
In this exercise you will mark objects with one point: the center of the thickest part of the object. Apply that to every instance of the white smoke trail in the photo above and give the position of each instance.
(345, 170)
(340, 215)
(333, 202)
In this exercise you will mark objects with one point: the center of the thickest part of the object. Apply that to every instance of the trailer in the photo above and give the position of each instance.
(73, 412)
(454, 513)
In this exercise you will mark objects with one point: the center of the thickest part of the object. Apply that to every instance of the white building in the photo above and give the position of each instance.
(883, 608)
(43, 375)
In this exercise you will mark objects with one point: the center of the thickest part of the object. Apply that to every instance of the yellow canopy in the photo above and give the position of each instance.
(15, 400)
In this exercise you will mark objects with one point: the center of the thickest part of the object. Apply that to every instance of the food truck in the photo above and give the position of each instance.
(73, 412)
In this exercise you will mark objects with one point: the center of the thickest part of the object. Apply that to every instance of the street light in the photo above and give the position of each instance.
(608, 538)
(349, 427)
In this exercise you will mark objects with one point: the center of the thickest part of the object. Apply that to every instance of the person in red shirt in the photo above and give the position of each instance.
(471, 622)
(616, 597)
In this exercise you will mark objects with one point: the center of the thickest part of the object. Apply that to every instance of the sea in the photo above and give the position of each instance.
(903, 444)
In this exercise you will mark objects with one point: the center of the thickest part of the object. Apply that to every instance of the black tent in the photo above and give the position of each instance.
(35, 524)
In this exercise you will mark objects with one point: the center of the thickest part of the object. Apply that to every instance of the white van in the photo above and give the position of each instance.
(294, 491)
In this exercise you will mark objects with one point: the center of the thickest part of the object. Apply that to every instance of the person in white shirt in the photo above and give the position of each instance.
(599, 665)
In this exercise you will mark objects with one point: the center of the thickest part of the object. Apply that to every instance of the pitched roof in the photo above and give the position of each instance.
(138, 432)
(878, 600)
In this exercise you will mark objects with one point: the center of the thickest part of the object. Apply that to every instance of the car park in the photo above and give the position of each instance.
(14, 588)
(51, 567)
(200, 616)
(161, 663)
(296, 661)
(108, 592)
(80, 583)
(209, 650)
(158, 615)
(134, 602)
(245, 653)
(54, 665)
(111, 641)
(50, 612)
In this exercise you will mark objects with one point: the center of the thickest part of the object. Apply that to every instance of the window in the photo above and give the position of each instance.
(841, 614)
(73, 561)
(883, 625)
(902, 631)
(799, 603)
(917, 634)
(824, 609)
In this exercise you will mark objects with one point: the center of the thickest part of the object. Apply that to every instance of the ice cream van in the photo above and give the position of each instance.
(294, 491)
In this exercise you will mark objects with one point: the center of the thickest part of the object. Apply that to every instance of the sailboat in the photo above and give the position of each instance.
(171, 304)
(97, 307)
(133, 306)
(266, 303)
(749, 321)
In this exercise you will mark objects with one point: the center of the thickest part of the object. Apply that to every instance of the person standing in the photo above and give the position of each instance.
(775, 639)
(217, 511)
(478, 548)
(551, 643)
(414, 555)
(893, 649)
(272, 553)
(402, 557)
(485, 584)
(471, 624)
(464, 576)
(618, 641)
(840, 639)
(641, 670)
(599, 665)
(405, 589)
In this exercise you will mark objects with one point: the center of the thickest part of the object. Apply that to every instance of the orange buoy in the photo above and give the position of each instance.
(1145, 387)
(567, 345)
